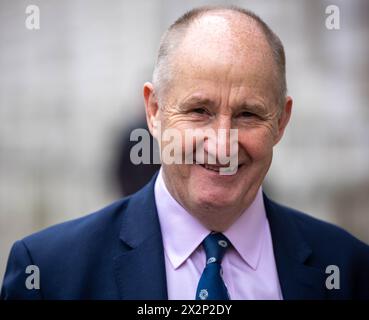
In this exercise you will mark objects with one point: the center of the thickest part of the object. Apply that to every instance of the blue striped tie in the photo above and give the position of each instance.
(211, 285)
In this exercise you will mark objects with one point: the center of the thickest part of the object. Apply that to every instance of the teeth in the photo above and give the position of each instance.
(216, 169)
(212, 168)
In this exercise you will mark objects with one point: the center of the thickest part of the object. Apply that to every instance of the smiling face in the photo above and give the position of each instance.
(223, 79)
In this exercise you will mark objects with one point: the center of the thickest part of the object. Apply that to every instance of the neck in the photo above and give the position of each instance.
(218, 219)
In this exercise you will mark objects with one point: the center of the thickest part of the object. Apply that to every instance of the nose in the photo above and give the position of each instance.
(219, 145)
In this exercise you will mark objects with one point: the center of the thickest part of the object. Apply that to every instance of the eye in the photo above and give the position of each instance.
(200, 111)
(246, 114)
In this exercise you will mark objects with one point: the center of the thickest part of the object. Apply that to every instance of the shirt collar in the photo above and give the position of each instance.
(182, 233)
(248, 232)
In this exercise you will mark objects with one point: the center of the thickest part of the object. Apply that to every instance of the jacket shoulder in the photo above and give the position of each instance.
(317, 231)
(80, 230)
(67, 254)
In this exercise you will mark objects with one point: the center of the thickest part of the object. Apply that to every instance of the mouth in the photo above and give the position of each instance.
(216, 168)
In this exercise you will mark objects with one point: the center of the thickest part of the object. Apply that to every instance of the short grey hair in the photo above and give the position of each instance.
(175, 33)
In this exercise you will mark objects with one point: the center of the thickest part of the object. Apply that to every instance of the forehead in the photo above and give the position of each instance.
(232, 31)
(225, 50)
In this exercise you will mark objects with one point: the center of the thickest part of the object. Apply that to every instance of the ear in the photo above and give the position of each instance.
(284, 118)
(152, 108)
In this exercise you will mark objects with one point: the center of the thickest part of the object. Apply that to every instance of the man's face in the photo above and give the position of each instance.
(219, 86)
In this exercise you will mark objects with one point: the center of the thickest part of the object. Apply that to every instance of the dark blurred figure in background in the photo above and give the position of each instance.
(130, 177)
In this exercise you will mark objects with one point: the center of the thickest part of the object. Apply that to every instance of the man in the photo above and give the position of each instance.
(192, 232)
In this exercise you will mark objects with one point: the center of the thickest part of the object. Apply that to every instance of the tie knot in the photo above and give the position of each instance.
(215, 245)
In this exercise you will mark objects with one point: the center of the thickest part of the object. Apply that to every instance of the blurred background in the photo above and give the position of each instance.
(70, 93)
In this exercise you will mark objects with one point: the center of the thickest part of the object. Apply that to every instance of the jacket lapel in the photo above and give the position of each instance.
(140, 269)
(298, 280)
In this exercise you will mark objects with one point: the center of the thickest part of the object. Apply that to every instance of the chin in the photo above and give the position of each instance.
(216, 199)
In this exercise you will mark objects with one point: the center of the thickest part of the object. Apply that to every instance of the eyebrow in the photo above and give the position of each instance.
(196, 100)
(252, 107)
(203, 101)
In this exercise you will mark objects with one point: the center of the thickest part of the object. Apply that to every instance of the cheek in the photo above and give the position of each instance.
(258, 143)
(181, 132)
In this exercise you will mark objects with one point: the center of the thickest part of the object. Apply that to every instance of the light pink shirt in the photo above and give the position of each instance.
(249, 269)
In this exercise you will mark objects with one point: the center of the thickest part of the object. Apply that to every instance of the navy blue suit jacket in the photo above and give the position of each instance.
(117, 253)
